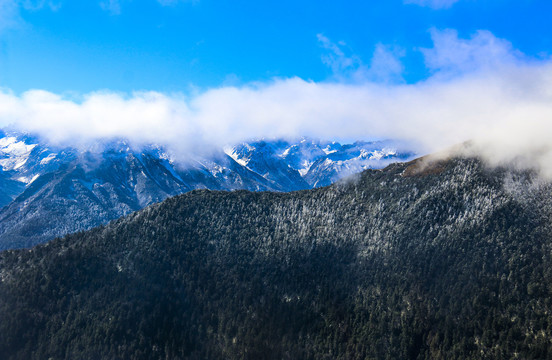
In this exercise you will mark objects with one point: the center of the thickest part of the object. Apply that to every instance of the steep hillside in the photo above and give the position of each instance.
(446, 260)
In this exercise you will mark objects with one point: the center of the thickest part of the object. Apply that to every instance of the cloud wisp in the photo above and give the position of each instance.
(385, 65)
(175, 2)
(434, 4)
(113, 7)
(10, 16)
(10, 10)
(480, 89)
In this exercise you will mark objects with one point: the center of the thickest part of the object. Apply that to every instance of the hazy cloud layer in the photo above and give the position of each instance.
(481, 90)
(434, 4)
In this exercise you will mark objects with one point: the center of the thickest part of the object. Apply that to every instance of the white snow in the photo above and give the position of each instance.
(14, 153)
(232, 153)
(48, 158)
(216, 169)
(379, 154)
(328, 151)
(286, 152)
(306, 167)
(27, 180)
(7, 141)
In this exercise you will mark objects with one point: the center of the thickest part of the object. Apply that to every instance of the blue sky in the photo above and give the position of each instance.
(181, 46)
(195, 74)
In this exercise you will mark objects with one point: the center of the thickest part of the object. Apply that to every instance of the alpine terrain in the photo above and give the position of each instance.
(47, 192)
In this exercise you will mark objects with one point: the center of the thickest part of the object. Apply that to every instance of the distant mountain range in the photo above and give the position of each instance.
(48, 191)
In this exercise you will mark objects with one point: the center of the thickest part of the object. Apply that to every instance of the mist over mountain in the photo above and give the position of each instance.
(429, 259)
(47, 191)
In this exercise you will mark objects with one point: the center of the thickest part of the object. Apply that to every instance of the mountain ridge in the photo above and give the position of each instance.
(52, 191)
(453, 264)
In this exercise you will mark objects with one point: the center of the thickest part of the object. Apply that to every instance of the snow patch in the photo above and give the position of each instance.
(327, 150)
(306, 165)
(232, 153)
(215, 170)
(379, 154)
(27, 180)
(15, 153)
(286, 152)
(48, 158)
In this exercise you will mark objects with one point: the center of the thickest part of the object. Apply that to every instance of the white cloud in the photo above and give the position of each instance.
(175, 2)
(10, 16)
(114, 6)
(506, 108)
(10, 9)
(385, 65)
(481, 52)
(39, 4)
(336, 59)
(111, 6)
(434, 4)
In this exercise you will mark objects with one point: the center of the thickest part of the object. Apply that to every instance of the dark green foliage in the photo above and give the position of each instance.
(453, 263)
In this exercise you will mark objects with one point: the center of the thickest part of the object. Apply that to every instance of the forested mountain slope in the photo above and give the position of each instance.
(446, 261)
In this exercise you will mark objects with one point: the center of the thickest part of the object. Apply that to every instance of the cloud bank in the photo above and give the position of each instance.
(480, 89)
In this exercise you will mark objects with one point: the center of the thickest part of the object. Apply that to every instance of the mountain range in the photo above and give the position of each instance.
(48, 191)
(430, 259)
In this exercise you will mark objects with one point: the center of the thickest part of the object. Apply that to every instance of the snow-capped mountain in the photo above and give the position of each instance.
(22, 160)
(47, 192)
(309, 163)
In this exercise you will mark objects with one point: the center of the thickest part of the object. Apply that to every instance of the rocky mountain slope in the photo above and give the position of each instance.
(49, 192)
(423, 260)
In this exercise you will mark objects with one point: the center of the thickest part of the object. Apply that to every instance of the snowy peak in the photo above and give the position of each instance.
(239, 153)
(318, 163)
